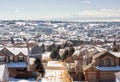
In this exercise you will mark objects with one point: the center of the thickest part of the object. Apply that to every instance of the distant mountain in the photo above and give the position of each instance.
(80, 18)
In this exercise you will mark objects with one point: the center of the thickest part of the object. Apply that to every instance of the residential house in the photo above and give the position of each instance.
(103, 66)
(82, 56)
(15, 58)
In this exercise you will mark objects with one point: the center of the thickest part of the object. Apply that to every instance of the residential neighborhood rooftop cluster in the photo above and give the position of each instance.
(59, 51)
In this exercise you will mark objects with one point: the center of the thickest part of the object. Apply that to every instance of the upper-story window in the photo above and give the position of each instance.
(107, 62)
(21, 58)
(11, 58)
(2, 58)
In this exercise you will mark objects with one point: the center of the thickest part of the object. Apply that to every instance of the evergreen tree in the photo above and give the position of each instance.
(71, 51)
(51, 47)
(43, 47)
(58, 48)
(12, 40)
(114, 47)
(64, 45)
(39, 66)
(65, 55)
(58, 57)
(54, 54)
(24, 39)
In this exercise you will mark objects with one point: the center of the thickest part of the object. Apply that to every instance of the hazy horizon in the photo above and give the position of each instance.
(60, 9)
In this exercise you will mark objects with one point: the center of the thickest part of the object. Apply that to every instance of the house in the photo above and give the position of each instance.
(20, 54)
(13, 54)
(103, 66)
(15, 59)
(4, 74)
(82, 56)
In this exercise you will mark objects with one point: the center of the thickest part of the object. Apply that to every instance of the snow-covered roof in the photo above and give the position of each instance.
(54, 63)
(115, 68)
(77, 48)
(16, 65)
(83, 49)
(17, 50)
(100, 49)
(91, 49)
(46, 43)
(46, 55)
(61, 51)
(59, 43)
(2, 69)
(1, 48)
(117, 54)
(77, 52)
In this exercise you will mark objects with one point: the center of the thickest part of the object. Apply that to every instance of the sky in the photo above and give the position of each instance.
(55, 9)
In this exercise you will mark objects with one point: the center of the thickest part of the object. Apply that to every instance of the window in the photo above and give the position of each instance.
(111, 62)
(2, 58)
(102, 62)
(11, 58)
(107, 62)
(21, 58)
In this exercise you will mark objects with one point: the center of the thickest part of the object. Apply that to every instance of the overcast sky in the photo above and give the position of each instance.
(48, 9)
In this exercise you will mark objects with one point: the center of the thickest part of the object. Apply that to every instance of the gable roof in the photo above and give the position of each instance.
(89, 65)
(16, 50)
(7, 52)
(77, 52)
(36, 50)
(102, 54)
(117, 54)
(99, 54)
(20, 54)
